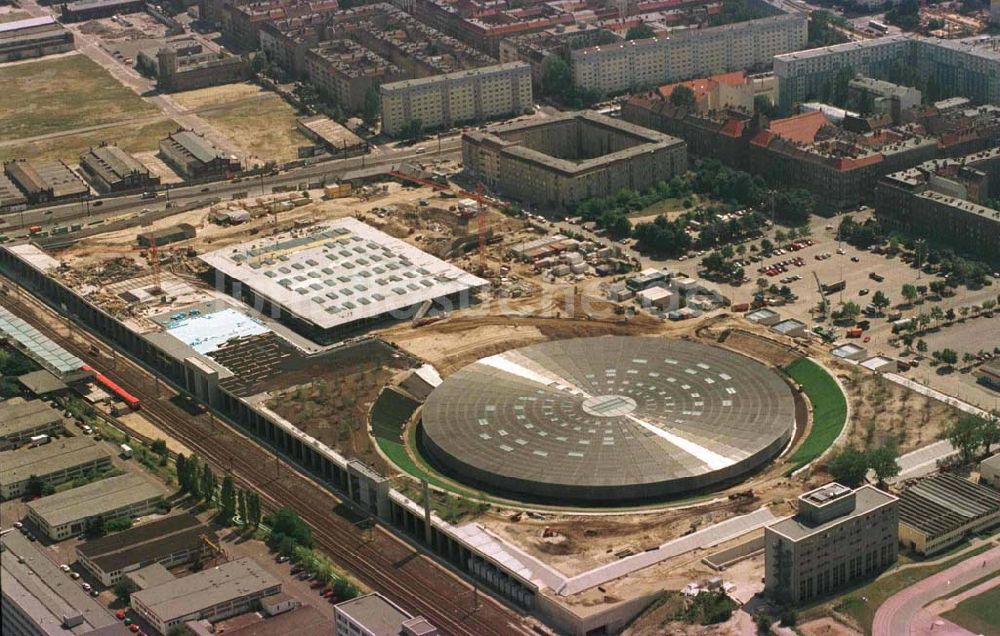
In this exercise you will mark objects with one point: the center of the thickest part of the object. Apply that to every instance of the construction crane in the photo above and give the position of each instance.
(481, 226)
(823, 302)
(217, 550)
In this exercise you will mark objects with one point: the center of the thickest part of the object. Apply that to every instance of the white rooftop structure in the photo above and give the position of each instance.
(337, 273)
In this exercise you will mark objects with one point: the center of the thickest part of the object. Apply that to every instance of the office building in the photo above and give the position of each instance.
(213, 595)
(111, 169)
(195, 157)
(938, 512)
(837, 537)
(39, 599)
(169, 542)
(20, 420)
(33, 37)
(56, 462)
(636, 64)
(442, 101)
(70, 512)
(375, 615)
(570, 157)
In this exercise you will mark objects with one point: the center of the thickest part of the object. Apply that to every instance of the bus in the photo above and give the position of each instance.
(875, 25)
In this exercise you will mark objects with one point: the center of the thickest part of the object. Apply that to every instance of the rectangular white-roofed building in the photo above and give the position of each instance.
(223, 591)
(335, 277)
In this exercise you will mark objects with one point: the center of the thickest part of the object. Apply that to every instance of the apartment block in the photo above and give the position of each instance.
(242, 21)
(465, 96)
(346, 71)
(837, 537)
(637, 64)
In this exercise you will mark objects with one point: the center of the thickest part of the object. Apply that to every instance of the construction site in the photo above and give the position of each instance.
(348, 406)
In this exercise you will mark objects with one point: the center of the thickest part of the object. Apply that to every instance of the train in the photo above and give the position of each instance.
(133, 402)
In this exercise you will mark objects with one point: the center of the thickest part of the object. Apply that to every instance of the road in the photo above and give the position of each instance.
(895, 617)
(101, 208)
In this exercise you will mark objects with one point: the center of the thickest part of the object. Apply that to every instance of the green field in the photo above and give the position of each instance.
(862, 603)
(829, 410)
(61, 94)
(130, 137)
(979, 614)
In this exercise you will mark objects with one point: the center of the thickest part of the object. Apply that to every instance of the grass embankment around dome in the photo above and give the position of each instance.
(829, 406)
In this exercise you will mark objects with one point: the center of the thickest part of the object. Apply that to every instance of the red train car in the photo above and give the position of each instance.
(134, 403)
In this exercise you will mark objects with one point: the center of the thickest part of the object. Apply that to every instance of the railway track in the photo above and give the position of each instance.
(379, 559)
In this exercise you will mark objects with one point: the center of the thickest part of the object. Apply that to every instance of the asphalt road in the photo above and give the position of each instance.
(101, 208)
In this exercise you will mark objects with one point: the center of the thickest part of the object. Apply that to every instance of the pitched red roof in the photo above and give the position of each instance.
(800, 128)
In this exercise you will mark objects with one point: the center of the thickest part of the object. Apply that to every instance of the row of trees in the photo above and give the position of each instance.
(198, 480)
(972, 436)
(850, 465)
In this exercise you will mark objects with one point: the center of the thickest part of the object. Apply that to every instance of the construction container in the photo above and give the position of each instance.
(337, 190)
(854, 332)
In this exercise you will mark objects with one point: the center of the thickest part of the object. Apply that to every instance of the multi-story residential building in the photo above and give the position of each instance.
(570, 157)
(242, 21)
(837, 537)
(944, 200)
(347, 71)
(33, 37)
(193, 70)
(111, 169)
(637, 64)
(536, 48)
(464, 96)
(286, 42)
(885, 97)
(968, 67)
(68, 513)
(53, 463)
(727, 90)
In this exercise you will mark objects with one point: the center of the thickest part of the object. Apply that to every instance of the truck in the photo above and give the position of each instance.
(126, 451)
(38, 440)
(854, 332)
(900, 325)
(878, 278)
(831, 288)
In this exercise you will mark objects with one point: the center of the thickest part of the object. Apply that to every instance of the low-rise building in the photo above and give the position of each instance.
(938, 512)
(441, 101)
(337, 139)
(38, 599)
(69, 513)
(214, 594)
(989, 375)
(11, 199)
(33, 37)
(82, 10)
(989, 471)
(54, 463)
(111, 169)
(837, 537)
(20, 420)
(45, 181)
(375, 615)
(727, 90)
(176, 71)
(170, 541)
(195, 157)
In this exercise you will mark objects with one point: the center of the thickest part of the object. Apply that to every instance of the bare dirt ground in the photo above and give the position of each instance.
(138, 423)
(825, 627)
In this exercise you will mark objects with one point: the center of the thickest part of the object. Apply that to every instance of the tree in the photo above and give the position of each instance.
(682, 97)
(780, 237)
(766, 246)
(95, 527)
(412, 130)
(966, 435)
(789, 617)
(159, 447)
(557, 79)
(641, 31)
(34, 487)
(762, 104)
(848, 466)
(118, 524)
(253, 509)
(241, 507)
(370, 112)
(949, 356)
(182, 474)
(848, 312)
(207, 483)
(882, 460)
(880, 300)
(286, 522)
(123, 589)
(193, 469)
(909, 292)
(922, 345)
(763, 622)
(937, 314)
(227, 500)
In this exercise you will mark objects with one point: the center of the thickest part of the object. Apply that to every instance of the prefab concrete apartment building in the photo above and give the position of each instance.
(53, 463)
(838, 536)
(68, 513)
(441, 101)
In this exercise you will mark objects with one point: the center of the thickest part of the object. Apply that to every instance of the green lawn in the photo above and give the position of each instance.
(66, 93)
(979, 614)
(862, 603)
(829, 410)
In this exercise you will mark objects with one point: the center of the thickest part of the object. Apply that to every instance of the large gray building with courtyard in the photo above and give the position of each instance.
(837, 537)
(567, 158)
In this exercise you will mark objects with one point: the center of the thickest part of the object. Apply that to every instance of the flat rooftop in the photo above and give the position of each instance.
(58, 455)
(379, 616)
(38, 346)
(338, 273)
(191, 594)
(17, 416)
(33, 581)
(305, 619)
(455, 76)
(95, 498)
(945, 502)
(145, 543)
(867, 498)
